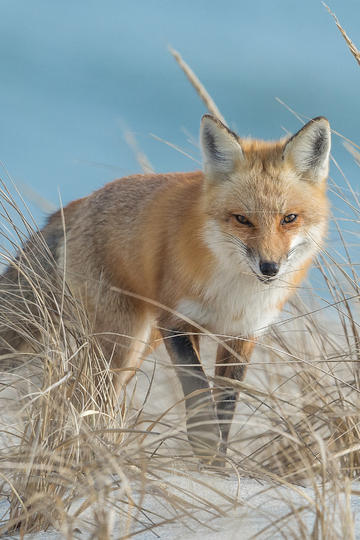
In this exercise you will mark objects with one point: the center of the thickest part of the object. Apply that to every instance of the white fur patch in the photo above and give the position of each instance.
(239, 314)
(235, 302)
(296, 241)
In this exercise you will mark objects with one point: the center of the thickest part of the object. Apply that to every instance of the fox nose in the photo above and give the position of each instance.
(269, 268)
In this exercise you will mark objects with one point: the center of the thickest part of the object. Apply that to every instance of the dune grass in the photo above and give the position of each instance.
(76, 459)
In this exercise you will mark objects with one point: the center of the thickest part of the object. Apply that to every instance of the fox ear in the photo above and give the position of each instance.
(309, 149)
(220, 147)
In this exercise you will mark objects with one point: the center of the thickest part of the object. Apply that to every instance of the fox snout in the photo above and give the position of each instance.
(265, 268)
(269, 268)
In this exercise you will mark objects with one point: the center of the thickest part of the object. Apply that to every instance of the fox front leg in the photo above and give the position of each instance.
(231, 364)
(201, 420)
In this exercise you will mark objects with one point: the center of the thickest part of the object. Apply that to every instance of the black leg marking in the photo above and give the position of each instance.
(184, 357)
(202, 425)
(226, 404)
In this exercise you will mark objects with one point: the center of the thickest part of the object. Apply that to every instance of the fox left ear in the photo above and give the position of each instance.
(309, 149)
(220, 147)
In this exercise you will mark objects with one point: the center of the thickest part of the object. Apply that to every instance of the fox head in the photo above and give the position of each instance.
(265, 202)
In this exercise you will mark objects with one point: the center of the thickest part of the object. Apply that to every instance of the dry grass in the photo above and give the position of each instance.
(352, 48)
(72, 460)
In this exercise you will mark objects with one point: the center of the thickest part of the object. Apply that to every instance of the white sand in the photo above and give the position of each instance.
(250, 508)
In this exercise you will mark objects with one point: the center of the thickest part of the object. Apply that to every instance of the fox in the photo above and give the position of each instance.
(217, 251)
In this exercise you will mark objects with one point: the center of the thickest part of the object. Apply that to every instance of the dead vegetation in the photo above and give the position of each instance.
(72, 460)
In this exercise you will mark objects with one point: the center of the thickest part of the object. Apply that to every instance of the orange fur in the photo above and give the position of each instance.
(175, 240)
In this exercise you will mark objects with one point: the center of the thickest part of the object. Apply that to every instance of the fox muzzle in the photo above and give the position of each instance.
(269, 268)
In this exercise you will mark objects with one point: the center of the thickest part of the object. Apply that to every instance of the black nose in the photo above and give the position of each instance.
(269, 268)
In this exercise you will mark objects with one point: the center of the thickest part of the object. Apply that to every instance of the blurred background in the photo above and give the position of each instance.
(77, 74)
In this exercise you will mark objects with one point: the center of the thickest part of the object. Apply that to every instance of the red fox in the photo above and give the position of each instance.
(223, 249)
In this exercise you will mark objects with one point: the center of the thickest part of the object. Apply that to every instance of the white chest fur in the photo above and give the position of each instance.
(237, 305)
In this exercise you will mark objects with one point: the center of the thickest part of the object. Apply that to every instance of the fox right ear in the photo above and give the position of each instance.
(309, 149)
(220, 147)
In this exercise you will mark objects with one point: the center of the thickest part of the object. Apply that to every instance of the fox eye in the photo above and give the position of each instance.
(243, 220)
(288, 219)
